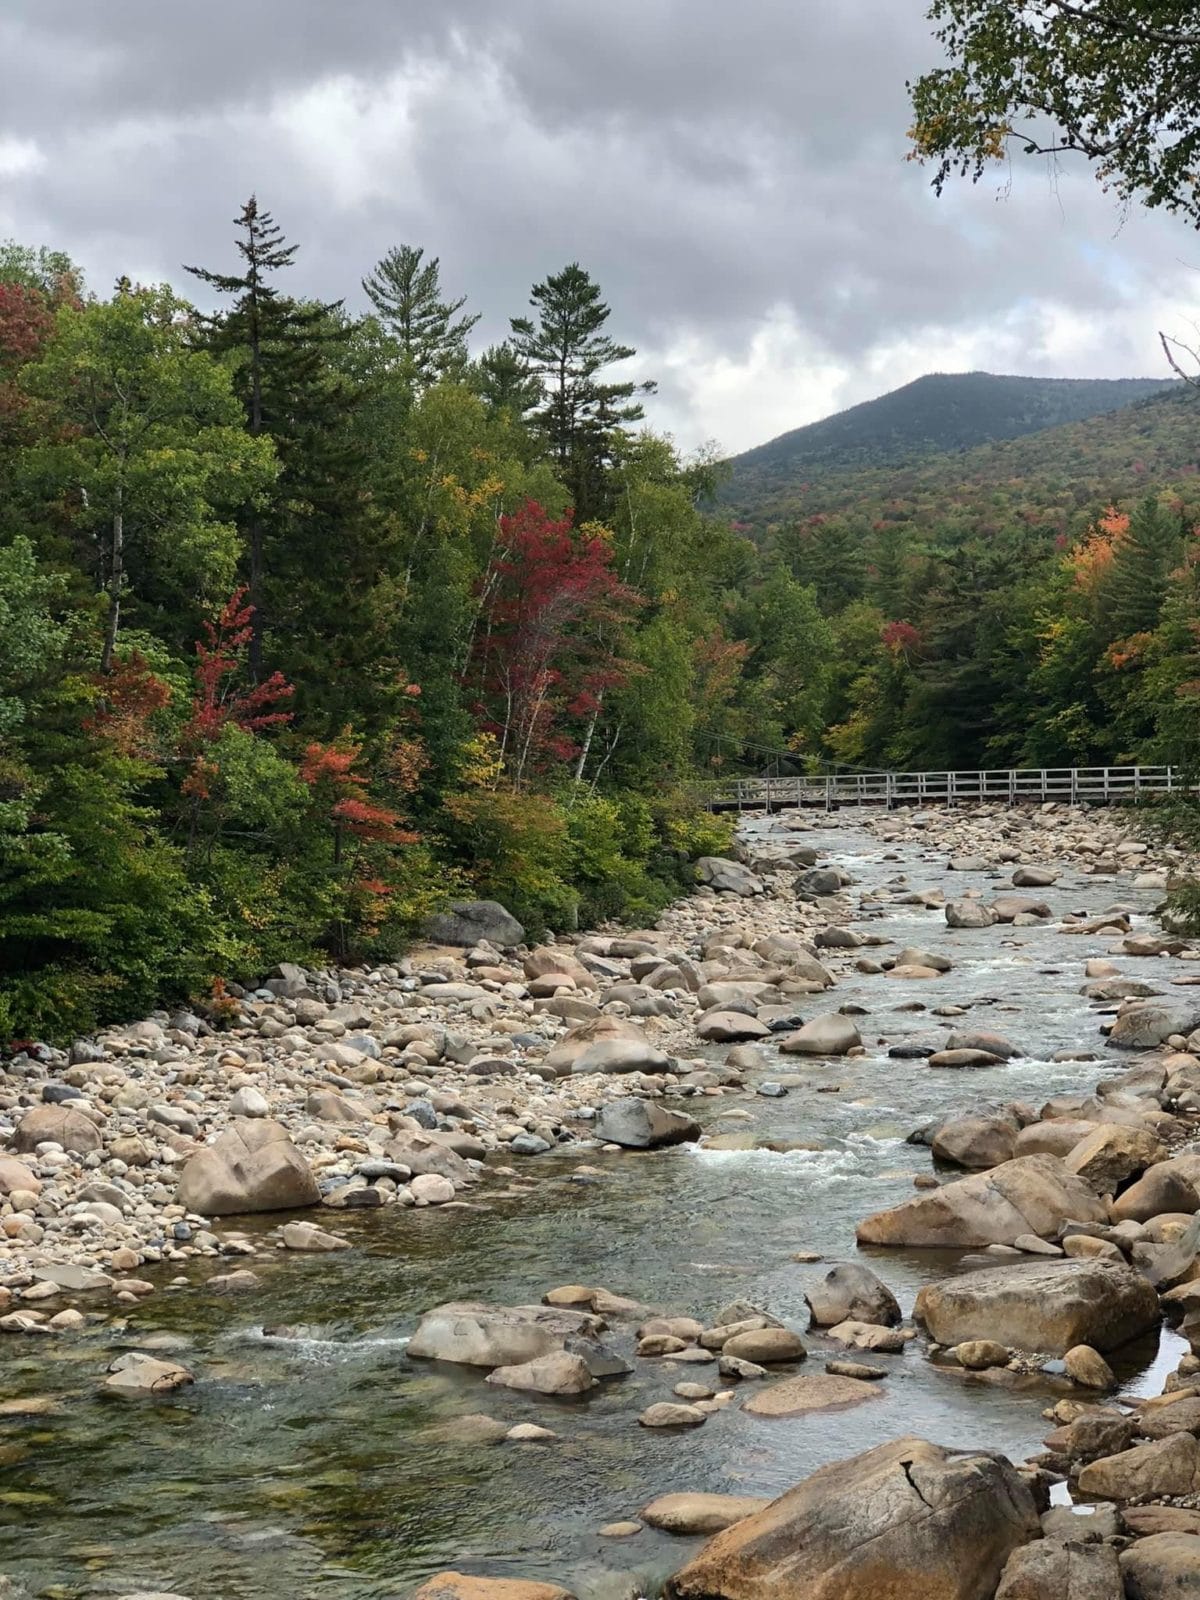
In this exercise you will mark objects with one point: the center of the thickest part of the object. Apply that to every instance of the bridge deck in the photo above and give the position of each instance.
(829, 791)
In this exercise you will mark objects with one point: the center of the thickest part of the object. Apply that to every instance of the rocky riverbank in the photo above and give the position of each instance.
(444, 1079)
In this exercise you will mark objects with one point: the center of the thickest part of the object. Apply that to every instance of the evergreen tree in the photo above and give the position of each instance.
(283, 379)
(505, 382)
(406, 291)
(1143, 559)
(566, 347)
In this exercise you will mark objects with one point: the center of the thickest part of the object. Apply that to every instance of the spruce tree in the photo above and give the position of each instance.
(505, 382)
(1142, 562)
(406, 291)
(283, 379)
(567, 349)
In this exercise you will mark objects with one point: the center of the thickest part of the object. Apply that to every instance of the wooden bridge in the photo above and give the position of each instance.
(829, 791)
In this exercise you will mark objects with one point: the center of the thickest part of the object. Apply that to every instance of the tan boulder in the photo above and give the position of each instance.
(1166, 1566)
(907, 1520)
(1028, 1195)
(56, 1125)
(692, 1514)
(16, 1176)
(462, 1586)
(1041, 1305)
(798, 1397)
(1111, 1154)
(1168, 1466)
(252, 1166)
(1052, 1569)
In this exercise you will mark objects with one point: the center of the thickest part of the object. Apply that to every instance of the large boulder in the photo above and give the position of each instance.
(1051, 1569)
(1166, 1566)
(16, 1175)
(1144, 1024)
(833, 1035)
(606, 1044)
(969, 914)
(1030, 1194)
(907, 1520)
(976, 1142)
(1111, 1153)
(467, 922)
(56, 1125)
(1047, 1306)
(1010, 906)
(818, 882)
(727, 877)
(473, 1334)
(852, 1293)
(1162, 1189)
(644, 1125)
(252, 1166)
(728, 1027)
(1168, 1466)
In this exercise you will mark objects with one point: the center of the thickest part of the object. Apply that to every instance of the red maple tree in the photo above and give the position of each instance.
(545, 651)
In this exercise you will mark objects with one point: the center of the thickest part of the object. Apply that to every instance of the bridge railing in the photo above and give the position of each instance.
(831, 790)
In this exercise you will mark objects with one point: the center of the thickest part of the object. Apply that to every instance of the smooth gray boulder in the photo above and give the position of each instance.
(1143, 1024)
(1052, 1569)
(852, 1293)
(818, 882)
(727, 877)
(833, 1035)
(473, 1334)
(907, 1520)
(467, 922)
(969, 914)
(644, 1125)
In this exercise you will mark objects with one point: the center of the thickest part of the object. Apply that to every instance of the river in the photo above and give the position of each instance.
(326, 1465)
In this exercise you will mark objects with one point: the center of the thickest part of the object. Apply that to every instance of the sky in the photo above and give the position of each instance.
(734, 177)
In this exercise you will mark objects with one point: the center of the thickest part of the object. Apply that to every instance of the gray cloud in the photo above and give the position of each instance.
(734, 176)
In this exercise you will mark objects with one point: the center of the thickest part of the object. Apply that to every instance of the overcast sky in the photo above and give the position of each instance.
(733, 175)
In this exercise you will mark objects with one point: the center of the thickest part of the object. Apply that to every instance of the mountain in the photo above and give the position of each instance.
(935, 415)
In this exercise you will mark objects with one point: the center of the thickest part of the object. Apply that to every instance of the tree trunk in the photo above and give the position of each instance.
(116, 582)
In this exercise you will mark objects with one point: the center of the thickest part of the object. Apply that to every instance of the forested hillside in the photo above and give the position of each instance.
(311, 621)
(935, 415)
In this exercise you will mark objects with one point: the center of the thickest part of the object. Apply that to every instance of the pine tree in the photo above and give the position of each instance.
(567, 349)
(280, 342)
(505, 382)
(406, 291)
(1137, 579)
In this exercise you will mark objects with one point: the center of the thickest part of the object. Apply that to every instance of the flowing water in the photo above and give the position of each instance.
(327, 1464)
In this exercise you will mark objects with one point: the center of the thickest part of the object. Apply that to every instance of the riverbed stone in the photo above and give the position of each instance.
(907, 1520)
(976, 1142)
(461, 1586)
(850, 1292)
(1162, 1189)
(1168, 1466)
(833, 1035)
(56, 1125)
(1053, 1569)
(644, 1125)
(699, 1514)
(798, 1397)
(764, 1346)
(1143, 1024)
(136, 1373)
(1165, 1566)
(252, 1166)
(466, 922)
(558, 1372)
(669, 1414)
(474, 1334)
(728, 877)
(1041, 1305)
(1111, 1154)
(1030, 1194)
(969, 914)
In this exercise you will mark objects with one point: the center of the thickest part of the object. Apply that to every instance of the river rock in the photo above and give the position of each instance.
(1112, 1153)
(1010, 906)
(1030, 1194)
(667, 1414)
(16, 1177)
(727, 877)
(1034, 877)
(969, 914)
(766, 1346)
(606, 1044)
(1051, 1569)
(135, 1373)
(1056, 1136)
(644, 1125)
(1168, 1466)
(460, 1586)
(558, 1372)
(818, 882)
(1166, 1566)
(959, 1059)
(474, 1334)
(1041, 1305)
(728, 1027)
(907, 1520)
(797, 1397)
(1143, 1024)
(832, 1035)
(850, 1292)
(976, 1142)
(252, 1166)
(467, 922)
(696, 1514)
(995, 1044)
(1160, 1190)
(57, 1125)
(307, 1236)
